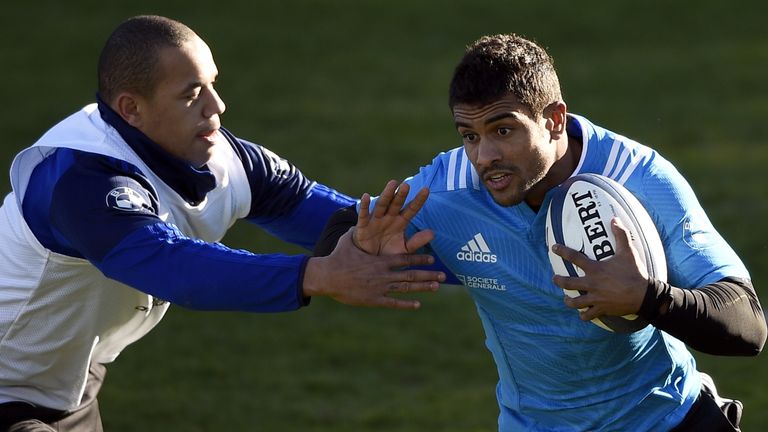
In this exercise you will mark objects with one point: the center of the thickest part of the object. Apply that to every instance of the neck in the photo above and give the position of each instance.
(563, 167)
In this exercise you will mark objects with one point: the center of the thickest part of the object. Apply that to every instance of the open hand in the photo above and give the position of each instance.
(383, 231)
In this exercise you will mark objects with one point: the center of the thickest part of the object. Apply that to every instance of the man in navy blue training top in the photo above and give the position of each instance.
(117, 210)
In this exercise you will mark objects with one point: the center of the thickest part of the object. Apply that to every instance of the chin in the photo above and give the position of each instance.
(507, 200)
(199, 161)
(202, 157)
(202, 162)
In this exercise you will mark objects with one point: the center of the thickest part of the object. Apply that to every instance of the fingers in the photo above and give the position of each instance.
(584, 303)
(579, 302)
(416, 203)
(573, 256)
(385, 199)
(408, 260)
(391, 269)
(590, 313)
(402, 282)
(404, 287)
(363, 216)
(392, 199)
(397, 202)
(396, 303)
(621, 234)
(413, 280)
(571, 283)
(420, 280)
(419, 240)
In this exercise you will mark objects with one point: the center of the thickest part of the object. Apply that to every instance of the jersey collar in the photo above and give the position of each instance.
(578, 128)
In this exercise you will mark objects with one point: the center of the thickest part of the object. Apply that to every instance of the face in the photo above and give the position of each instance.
(511, 150)
(182, 114)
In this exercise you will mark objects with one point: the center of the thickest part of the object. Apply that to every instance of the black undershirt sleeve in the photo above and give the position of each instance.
(722, 318)
(338, 224)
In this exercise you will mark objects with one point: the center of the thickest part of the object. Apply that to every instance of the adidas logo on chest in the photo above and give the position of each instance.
(476, 250)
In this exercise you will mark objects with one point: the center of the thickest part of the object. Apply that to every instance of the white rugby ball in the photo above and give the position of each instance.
(579, 216)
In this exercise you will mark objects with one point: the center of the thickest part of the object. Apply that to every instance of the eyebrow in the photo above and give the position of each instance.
(492, 119)
(191, 86)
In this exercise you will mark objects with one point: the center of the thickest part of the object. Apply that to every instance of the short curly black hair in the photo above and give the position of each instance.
(495, 66)
(129, 59)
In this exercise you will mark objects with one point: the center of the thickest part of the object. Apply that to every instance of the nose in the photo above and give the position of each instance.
(215, 105)
(488, 153)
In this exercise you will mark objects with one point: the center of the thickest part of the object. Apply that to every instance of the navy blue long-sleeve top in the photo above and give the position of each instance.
(64, 207)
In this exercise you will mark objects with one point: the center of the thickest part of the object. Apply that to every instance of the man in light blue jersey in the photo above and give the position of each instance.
(557, 371)
(117, 211)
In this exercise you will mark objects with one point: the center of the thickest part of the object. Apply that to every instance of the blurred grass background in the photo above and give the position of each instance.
(354, 93)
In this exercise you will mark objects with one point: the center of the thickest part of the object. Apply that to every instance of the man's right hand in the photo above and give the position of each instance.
(353, 277)
(365, 267)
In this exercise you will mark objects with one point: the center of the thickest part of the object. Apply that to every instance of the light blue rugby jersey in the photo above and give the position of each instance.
(558, 373)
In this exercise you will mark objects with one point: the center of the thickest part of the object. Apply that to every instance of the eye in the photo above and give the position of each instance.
(503, 131)
(193, 95)
(469, 137)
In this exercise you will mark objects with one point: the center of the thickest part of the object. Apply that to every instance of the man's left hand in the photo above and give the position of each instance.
(615, 286)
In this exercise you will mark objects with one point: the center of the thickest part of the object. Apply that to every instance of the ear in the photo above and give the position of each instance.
(127, 106)
(556, 118)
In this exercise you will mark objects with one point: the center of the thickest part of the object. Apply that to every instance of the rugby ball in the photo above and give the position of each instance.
(579, 216)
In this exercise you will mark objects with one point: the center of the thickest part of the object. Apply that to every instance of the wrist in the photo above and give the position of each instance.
(657, 299)
(314, 274)
(302, 298)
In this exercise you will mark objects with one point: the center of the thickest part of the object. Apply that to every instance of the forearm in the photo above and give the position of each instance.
(722, 318)
(162, 262)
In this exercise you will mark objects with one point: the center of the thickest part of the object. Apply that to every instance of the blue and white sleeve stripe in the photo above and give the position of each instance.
(624, 158)
(461, 173)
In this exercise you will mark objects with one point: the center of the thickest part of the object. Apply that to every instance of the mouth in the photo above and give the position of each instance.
(209, 135)
(498, 181)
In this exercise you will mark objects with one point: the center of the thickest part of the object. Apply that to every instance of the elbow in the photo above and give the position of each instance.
(751, 348)
(746, 341)
(755, 331)
(749, 326)
(753, 339)
(760, 334)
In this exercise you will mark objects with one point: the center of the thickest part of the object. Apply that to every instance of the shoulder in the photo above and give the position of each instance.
(449, 171)
(651, 178)
(638, 167)
(611, 154)
(74, 175)
(78, 163)
(260, 161)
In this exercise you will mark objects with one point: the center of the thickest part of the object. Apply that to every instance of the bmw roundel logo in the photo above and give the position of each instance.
(126, 199)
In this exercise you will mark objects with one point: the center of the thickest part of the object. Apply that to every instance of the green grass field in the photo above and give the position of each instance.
(354, 92)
